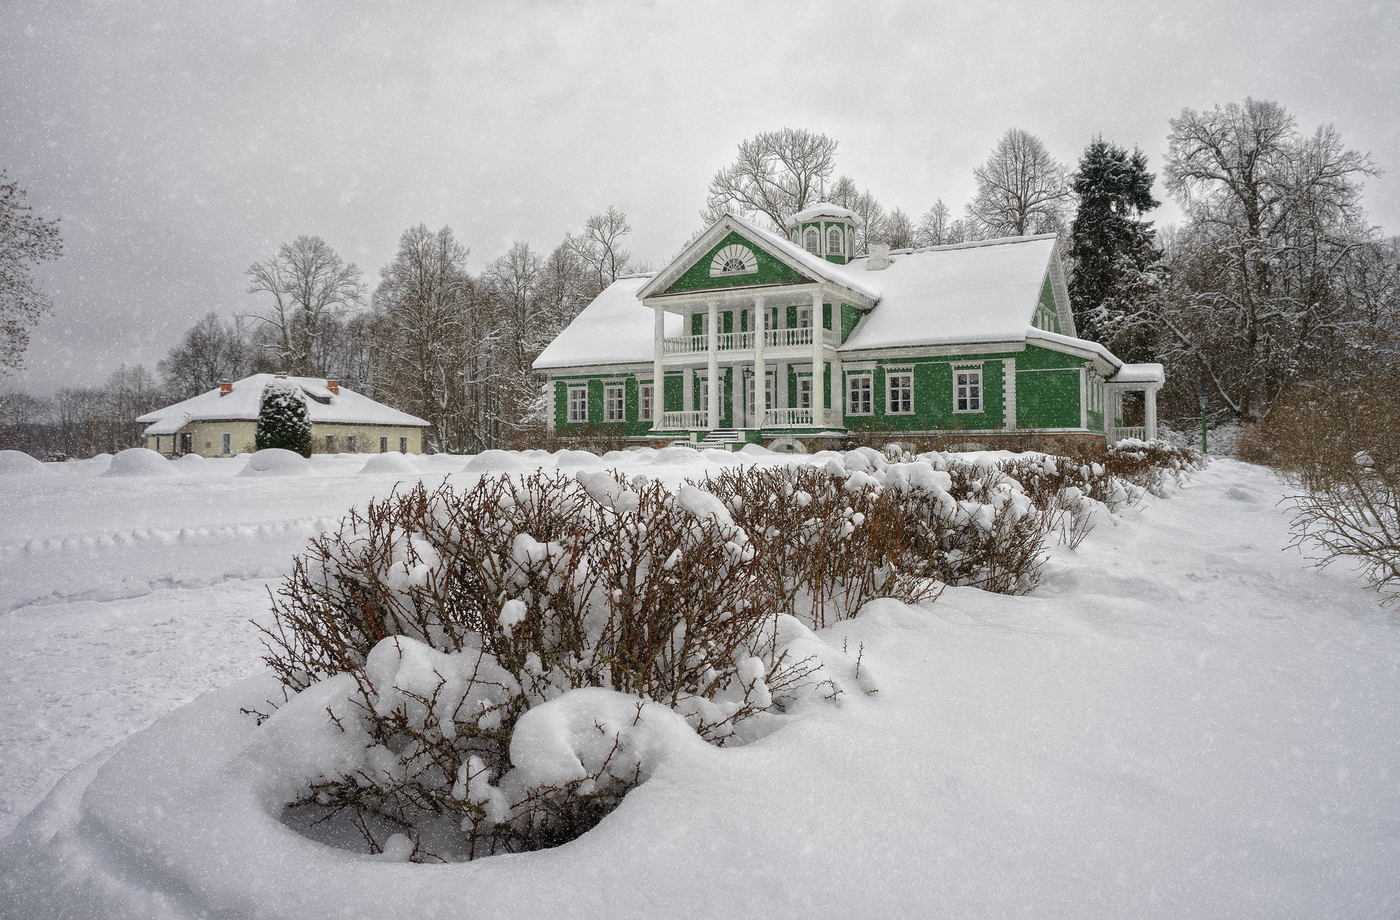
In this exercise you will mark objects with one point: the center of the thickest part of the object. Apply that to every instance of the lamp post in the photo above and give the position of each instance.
(1202, 397)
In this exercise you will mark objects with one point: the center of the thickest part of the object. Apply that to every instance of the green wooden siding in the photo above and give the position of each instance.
(770, 270)
(933, 396)
(1047, 389)
(849, 317)
(631, 384)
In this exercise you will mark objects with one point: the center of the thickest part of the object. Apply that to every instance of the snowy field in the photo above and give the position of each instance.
(1183, 720)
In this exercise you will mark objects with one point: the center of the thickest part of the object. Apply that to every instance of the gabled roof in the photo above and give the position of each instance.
(813, 266)
(962, 294)
(322, 406)
(616, 328)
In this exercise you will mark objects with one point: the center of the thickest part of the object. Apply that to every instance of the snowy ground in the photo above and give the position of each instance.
(1184, 720)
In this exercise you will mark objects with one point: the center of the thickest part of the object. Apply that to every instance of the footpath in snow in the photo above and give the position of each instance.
(1183, 720)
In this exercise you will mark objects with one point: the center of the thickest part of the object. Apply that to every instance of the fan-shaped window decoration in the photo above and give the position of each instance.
(733, 260)
(833, 241)
(813, 241)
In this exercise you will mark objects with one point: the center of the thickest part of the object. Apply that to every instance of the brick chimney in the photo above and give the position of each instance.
(225, 388)
(333, 386)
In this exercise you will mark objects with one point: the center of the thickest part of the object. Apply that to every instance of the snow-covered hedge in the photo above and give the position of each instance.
(491, 669)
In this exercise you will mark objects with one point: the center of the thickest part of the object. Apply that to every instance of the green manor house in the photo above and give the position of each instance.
(747, 337)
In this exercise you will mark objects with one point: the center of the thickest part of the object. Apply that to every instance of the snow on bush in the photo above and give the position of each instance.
(18, 463)
(138, 461)
(444, 619)
(274, 461)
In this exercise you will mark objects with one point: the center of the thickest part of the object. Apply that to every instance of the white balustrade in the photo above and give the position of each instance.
(684, 421)
(745, 341)
(800, 418)
(1118, 434)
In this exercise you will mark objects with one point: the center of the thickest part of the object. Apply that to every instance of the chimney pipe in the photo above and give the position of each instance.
(333, 386)
(879, 258)
(225, 388)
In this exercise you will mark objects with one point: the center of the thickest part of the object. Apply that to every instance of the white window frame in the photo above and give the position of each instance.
(899, 393)
(860, 394)
(804, 392)
(840, 247)
(614, 402)
(812, 240)
(577, 402)
(702, 395)
(968, 395)
(646, 398)
(804, 317)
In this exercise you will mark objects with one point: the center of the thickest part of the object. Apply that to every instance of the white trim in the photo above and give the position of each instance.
(869, 378)
(607, 400)
(889, 402)
(569, 390)
(1008, 393)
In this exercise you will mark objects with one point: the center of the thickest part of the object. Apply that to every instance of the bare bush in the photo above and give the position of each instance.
(1342, 450)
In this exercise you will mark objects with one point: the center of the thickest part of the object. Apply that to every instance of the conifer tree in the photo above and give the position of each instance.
(1110, 245)
(282, 421)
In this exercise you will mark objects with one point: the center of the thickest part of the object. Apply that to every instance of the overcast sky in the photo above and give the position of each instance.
(180, 143)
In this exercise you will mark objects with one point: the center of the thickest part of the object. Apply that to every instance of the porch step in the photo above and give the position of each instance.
(721, 437)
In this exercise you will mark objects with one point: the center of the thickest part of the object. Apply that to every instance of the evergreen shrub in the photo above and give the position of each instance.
(283, 421)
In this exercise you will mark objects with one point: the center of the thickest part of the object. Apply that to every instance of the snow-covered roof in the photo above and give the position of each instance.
(823, 209)
(944, 295)
(616, 328)
(1140, 373)
(323, 407)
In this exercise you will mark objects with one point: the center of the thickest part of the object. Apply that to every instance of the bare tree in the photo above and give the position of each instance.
(599, 249)
(871, 226)
(210, 351)
(26, 239)
(309, 284)
(1258, 294)
(438, 347)
(777, 174)
(899, 230)
(1021, 189)
(937, 227)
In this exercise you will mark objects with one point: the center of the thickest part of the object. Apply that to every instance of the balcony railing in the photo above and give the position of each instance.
(800, 418)
(1118, 434)
(684, 421)
(744, 341)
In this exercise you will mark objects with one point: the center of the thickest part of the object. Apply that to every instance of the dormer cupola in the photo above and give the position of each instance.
(826, 230)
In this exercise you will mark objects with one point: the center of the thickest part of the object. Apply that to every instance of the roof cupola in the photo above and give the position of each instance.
(826, 230)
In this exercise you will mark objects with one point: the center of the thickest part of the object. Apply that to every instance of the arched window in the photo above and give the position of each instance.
(813, 241)
(833, 241)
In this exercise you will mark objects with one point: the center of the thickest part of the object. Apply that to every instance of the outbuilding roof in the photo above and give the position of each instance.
(323, 406)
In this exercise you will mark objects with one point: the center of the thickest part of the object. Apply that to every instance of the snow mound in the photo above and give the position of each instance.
(498, 461)
(675, 456)
(138, 461)
(576, 458)
(18, 463)
(391, 464)
(190, 460)
(275, 461)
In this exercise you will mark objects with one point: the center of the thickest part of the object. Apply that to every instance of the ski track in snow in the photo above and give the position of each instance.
(1184, 719)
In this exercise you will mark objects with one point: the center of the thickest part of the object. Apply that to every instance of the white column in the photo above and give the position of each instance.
(736, 386)
(818, 371)
(688, 389)
(658, 374)
(712, 348)
(838, 397)
(780, 385)
(760, 370)
(1150, 394)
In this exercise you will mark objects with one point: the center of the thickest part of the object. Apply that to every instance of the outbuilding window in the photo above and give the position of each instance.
(967, 391)
(403, 445)
(227, 444)
(578, 404)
